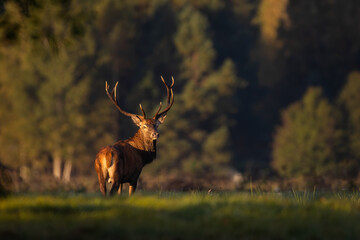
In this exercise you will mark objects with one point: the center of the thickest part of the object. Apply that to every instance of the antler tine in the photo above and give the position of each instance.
(172, 84)
(114, 90)
(160, 105)
(167, 88)
(170, 97)
(173, 81)
(144, 114)
(113, 99)
(106, 86)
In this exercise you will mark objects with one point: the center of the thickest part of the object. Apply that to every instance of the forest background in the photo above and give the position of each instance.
(266, 91)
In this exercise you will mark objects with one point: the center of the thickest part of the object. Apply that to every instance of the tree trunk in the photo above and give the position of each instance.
(67, 171)
(57, 166)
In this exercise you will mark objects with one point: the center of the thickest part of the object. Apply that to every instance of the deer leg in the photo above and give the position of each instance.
(120, 189)
(114, 188)
(132, 188)
(103, 189)
(102, 184)
(101, 177)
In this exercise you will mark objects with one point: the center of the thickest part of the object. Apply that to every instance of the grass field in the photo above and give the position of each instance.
(196, 215)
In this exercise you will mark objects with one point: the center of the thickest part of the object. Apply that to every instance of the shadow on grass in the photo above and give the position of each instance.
(177, 217)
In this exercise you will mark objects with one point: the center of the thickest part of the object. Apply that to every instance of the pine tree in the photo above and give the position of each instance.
(349, 103)
(197, 133)
(306, 143)
(49, 103)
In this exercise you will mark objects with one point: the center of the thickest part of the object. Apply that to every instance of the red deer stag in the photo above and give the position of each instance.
(124, 161)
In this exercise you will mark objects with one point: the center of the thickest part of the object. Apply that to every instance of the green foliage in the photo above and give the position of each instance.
(350, 99)
(298, 46)
(349, 102)
(47, 88)
(271, 14)
(193, 43)
(61, 52)
(6, 180)
(174, 215)
(47, 25)
(305, 144)
(56, 55)
(197, 129)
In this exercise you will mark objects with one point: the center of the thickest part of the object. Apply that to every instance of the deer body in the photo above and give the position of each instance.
(124, 161)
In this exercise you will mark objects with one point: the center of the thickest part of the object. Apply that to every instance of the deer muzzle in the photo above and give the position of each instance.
(155, 135)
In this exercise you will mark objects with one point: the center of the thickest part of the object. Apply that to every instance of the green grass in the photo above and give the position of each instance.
(182, 216)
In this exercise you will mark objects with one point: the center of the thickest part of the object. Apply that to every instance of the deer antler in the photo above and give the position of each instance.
(170, 98)
(113, 99)
(144, 114)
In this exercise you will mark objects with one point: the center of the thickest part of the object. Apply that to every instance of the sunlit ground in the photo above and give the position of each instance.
(196, 215)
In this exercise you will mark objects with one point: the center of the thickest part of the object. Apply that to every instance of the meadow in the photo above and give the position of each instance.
(171, 215)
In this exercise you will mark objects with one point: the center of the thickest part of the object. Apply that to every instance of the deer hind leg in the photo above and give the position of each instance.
(102, 181)
(102, 184)
(111, 173)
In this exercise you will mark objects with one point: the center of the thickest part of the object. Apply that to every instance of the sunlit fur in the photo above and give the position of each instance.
(124, 161)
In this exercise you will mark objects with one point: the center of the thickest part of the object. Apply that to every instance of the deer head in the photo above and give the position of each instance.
(148, 126)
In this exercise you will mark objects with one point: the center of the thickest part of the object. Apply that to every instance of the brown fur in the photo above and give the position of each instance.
(124, 161)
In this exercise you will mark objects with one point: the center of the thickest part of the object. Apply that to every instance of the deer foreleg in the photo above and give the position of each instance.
(120, 189)
(114, 188)
(132, 188)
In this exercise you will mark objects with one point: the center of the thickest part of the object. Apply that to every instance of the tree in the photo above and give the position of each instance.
(305, 145)
(49, 110)
(300, 44)
(196, 133)
(61, 109)
(271, 15)
(349, 103)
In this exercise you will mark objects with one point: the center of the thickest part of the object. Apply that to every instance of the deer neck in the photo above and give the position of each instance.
(142, 142)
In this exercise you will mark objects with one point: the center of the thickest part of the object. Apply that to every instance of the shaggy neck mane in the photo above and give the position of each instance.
(139, 141)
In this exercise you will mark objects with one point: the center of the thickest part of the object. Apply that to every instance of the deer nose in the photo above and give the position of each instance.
(155, 135)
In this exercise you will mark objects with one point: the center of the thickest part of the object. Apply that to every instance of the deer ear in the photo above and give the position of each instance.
(136, 120)
(161, 119)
